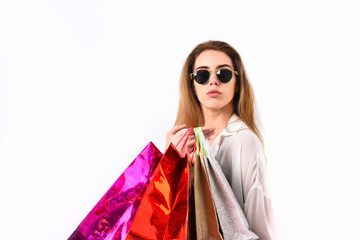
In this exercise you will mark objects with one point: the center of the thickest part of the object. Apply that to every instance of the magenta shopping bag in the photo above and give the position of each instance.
(112, 216)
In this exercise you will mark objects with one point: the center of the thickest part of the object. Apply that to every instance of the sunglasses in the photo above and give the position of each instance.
(202, 76)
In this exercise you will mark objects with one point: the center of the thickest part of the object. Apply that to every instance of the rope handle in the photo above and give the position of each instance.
(199, 142)
(194, 149)
(187, 134)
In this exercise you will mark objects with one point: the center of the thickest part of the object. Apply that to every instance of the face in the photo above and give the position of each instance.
(215, 95)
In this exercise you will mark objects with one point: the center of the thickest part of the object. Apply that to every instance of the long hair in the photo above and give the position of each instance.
(190, 112)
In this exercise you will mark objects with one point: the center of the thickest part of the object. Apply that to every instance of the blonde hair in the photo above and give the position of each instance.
(189, 111)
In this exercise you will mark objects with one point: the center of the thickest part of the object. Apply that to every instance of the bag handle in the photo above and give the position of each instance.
(187, 134)
(199, 141)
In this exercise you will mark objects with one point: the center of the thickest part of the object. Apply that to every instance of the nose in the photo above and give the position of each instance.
(213, 80)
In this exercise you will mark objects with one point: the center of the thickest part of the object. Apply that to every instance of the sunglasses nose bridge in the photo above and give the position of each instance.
(213, 78)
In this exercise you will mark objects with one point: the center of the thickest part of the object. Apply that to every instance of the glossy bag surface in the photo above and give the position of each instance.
(113, 215)
(163, 212)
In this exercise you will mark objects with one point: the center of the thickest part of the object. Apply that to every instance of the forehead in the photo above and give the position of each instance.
(212, 59)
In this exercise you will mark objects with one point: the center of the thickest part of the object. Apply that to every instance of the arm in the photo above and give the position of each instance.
(257, 204)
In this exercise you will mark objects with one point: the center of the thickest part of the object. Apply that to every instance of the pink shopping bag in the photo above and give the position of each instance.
(113, 215)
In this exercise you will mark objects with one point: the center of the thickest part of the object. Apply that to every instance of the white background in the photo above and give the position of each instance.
(85, 85)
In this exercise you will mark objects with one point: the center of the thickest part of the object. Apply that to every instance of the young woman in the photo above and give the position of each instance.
(215, 93)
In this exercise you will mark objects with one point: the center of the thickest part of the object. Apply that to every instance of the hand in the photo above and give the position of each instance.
(177, 132)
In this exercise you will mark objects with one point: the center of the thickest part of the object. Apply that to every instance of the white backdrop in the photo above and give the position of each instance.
(85, 85)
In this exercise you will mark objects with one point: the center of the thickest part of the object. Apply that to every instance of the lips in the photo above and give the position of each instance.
(213, 93)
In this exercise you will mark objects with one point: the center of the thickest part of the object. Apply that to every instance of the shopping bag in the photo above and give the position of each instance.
(232, 220)
(163, 212)
(205, 214)
(113, 215)
(191, 214)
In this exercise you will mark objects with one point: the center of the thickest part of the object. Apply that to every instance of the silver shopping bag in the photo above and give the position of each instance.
(232, 220)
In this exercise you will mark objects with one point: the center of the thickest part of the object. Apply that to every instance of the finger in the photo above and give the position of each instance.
(210, 133)
(208, 129)
(192, 133)
(177, 128)
(183, 135)
(190, 144)
(205, 130)
(191, 137)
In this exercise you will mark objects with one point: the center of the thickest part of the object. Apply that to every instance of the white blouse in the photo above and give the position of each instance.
(240, 155)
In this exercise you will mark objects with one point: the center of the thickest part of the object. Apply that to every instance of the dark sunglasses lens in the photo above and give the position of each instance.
(201, 76)
(224, 75)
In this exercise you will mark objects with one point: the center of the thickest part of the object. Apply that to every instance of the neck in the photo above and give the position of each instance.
(217, 119)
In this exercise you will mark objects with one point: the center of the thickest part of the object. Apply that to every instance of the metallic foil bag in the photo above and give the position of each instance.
(113, 215)
(163, 212)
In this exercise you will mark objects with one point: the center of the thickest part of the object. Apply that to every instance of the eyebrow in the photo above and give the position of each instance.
(220, 66)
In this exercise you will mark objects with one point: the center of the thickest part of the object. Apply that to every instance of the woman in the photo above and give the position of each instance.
(215, 93)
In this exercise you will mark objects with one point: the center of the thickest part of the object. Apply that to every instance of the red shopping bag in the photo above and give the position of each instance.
(163, 212)
(113, 215)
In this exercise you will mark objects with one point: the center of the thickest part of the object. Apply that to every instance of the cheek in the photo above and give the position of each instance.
(195, 89)
(198, 90)
(231, 91)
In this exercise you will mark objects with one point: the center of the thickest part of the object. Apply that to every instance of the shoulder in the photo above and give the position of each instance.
(238, 130)
(238, 136)
(246, 138)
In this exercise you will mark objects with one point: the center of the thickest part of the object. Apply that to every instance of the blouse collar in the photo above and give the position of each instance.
(234, 125)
